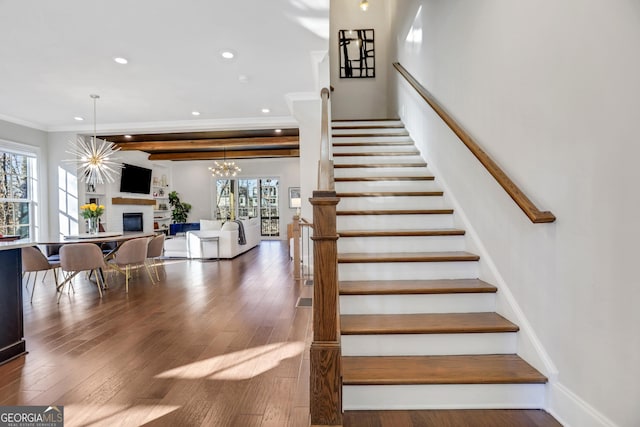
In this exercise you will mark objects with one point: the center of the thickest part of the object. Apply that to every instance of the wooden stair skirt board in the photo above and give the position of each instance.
(418, 328)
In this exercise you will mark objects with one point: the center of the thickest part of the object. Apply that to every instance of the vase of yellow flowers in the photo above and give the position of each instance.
(92, 212)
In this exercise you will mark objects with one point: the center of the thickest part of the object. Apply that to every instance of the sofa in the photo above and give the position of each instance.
(194, 243)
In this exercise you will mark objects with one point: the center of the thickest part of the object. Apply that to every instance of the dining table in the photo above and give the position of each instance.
(99, 238)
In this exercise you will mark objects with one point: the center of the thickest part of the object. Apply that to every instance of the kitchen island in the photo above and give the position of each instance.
(12, 343)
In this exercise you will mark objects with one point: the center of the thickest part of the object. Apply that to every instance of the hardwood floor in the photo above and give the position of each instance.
(212, 344)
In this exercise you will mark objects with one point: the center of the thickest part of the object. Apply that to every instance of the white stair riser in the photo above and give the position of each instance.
(367, 135)
(351, 136)
(366, 160)
(408, 270)
(363, 186)
(428, 344)
(395, 222)
(423, 303)
(409, 149)
(443, 396)
(392, 202)
(381, 172)
(351, 123)
(401, 244)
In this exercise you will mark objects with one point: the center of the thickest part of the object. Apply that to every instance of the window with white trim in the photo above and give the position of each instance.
(18, 193)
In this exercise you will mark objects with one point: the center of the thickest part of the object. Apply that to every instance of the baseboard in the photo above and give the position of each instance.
(571, 411)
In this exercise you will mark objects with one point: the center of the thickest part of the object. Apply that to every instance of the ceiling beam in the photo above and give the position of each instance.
(219, 155)
(210, 144)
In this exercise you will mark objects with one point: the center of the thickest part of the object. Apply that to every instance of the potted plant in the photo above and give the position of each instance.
(179, 210)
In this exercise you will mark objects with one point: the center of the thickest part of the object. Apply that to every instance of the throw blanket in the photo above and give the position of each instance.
(241, 239)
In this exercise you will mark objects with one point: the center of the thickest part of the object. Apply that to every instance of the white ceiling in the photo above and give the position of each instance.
(53, 54)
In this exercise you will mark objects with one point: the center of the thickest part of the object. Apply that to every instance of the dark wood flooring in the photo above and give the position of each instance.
(212, 344)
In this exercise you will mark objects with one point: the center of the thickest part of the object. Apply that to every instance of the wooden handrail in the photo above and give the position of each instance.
(535, 215)
(325, 166)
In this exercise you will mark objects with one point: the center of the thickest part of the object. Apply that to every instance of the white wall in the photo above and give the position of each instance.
(194, 184)
(356, 98)
(551, 90)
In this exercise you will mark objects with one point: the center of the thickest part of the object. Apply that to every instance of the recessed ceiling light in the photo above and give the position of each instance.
(266, 110)
(121, 60)
(128, 136)
(195, 113)
(243, 78)
(78, 118)
(227, 54)
(278, 130)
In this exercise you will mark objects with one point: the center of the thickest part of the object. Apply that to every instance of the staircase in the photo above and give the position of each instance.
(419, 329)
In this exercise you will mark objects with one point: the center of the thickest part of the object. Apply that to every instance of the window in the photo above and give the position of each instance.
(18, 193)
(68, 202)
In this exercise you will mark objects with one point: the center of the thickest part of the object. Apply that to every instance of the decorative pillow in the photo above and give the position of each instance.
(230, 226)
(207, 224)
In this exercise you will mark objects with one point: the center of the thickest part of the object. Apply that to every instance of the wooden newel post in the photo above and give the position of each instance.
(326, 372)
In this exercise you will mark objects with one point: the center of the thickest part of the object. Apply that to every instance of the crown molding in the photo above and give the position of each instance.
(22, 122)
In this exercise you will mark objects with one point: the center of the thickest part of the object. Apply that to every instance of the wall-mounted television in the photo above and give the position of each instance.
(135, 179)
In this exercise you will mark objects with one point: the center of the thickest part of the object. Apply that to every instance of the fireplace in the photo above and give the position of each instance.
(132, 221)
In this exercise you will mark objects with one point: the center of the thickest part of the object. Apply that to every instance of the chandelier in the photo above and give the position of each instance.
(94, 157)
(225, 169)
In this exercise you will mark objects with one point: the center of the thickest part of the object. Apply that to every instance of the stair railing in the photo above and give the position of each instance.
(325, 355)
(301, 233)
(533, 213)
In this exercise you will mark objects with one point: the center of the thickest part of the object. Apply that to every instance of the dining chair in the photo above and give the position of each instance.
(155, 250)
(33, 261)
(131, 253)
(77, 257)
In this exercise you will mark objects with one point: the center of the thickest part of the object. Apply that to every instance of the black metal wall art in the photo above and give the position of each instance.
(357, 54)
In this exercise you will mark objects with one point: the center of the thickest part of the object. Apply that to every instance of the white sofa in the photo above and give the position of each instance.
(194, 244)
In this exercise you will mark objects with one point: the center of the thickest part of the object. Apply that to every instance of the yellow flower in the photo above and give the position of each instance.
(101, 206)
(93, 207)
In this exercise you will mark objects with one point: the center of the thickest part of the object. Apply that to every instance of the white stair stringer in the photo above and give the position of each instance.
(442, 396)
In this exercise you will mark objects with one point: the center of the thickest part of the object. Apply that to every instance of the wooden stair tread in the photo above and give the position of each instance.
(451, 256)
(401, 233)
(398, 212)
(415, 287)
(424, 323)
(378, 153)
(385, 178)
(391, 194)
(473, 369)
(380, 165)
(450, 418)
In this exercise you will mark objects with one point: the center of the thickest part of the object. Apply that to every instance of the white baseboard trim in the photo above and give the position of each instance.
(571, 411)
